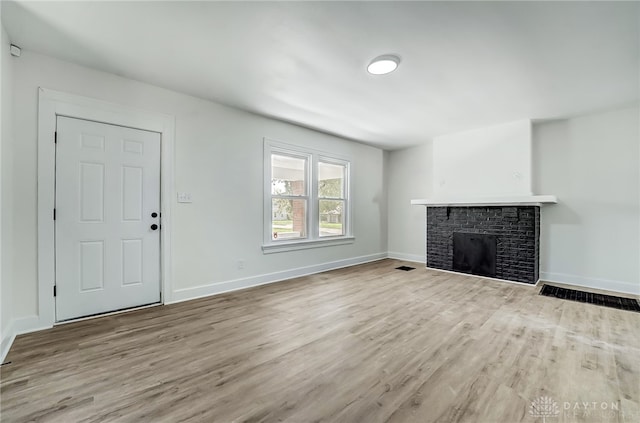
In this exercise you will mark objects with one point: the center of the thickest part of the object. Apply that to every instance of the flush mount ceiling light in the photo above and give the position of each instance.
(383, 64)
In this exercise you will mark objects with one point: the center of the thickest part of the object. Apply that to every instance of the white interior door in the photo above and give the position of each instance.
(107, 218)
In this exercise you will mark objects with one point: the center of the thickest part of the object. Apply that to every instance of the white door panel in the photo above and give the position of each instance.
(107, 187)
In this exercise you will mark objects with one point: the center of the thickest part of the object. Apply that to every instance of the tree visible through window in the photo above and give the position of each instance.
(308, 195)
(331, 198)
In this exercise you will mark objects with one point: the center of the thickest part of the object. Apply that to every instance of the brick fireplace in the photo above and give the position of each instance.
(515, 230)
(483, 217)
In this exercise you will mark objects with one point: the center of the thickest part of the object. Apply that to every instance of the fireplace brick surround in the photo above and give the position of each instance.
(517, 229)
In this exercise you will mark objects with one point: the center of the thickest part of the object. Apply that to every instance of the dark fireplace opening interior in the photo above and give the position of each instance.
(474, 253)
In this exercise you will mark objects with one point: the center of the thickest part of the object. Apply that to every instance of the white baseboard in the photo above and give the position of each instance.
(605, 284)
(8, 335)
(415, 258)
(17, 327)
(29, 324)
(236, 284)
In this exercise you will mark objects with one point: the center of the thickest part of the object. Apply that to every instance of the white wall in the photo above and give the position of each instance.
(592, 236)
(409, 177)
(6, 237)
(591, 163)
(488, 162)
(219, 160)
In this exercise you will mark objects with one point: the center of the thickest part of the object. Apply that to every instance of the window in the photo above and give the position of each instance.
(331, 198)
(289, 196)
(306, 198)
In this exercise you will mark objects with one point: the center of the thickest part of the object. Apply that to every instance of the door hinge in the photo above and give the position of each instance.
(55, 292)
(55, 137)
(54, 214)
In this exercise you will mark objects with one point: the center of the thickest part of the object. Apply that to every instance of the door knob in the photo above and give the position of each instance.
(154, 214)
(154, 227)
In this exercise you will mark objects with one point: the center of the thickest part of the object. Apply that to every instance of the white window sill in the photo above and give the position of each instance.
(281, 247)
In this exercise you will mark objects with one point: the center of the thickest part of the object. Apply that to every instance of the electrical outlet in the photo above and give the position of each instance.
(240, 264)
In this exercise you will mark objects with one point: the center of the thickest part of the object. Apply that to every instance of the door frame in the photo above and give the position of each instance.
(52, 104)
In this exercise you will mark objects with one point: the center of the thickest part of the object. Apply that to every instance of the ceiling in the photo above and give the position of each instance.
(464, 65)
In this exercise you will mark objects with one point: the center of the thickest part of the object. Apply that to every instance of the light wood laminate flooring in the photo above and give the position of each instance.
(362, 344)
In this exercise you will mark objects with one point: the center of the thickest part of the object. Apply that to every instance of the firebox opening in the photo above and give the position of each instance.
(474, 253)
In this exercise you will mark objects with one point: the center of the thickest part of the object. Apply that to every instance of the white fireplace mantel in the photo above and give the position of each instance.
(527, 200)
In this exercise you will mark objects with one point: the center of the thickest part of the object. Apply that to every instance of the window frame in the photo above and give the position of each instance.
(323, 158)
(307, 196)
(313, 238)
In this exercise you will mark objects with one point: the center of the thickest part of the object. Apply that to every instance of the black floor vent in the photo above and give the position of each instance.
(588, 297)
(405, 268)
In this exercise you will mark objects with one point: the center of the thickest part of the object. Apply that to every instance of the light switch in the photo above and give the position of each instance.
(184, 197)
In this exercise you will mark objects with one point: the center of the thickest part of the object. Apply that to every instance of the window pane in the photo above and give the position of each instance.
(331, 180)
(288, 219)
(331, 217)
(288, 175)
